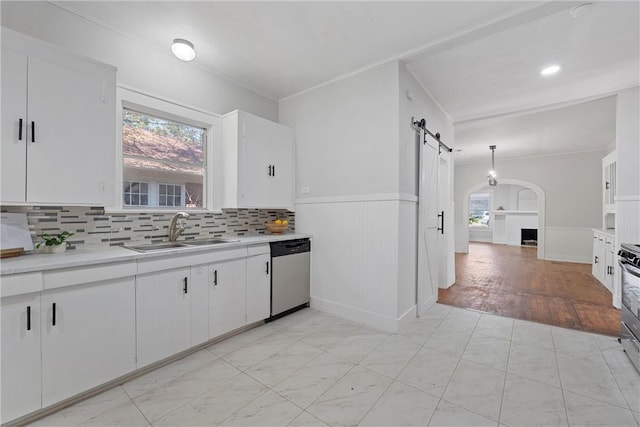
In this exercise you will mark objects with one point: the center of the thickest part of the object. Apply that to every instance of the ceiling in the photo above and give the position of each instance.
(478, 59)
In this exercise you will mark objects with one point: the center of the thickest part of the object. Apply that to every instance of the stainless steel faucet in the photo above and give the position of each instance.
(176, 229)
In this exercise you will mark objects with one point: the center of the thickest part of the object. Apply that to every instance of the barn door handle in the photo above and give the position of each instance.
(185, 288)
(441, 216)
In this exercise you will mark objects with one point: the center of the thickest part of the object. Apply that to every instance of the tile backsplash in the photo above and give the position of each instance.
(93, 227)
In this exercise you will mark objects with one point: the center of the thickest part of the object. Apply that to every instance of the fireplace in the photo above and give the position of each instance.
(529, 236)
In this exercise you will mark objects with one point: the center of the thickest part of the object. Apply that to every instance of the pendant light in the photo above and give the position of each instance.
(492, 173)
(183, 50)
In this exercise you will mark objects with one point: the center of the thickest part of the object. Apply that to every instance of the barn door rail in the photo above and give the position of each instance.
(421, 125)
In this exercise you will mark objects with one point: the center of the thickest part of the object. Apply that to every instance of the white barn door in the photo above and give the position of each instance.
(428, 223)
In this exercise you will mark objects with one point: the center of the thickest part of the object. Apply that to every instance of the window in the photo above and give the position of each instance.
(163, 161)
(479, 207)
(136, 193)
(170, 195)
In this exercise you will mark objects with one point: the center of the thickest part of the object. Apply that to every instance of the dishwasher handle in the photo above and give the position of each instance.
(289, 247)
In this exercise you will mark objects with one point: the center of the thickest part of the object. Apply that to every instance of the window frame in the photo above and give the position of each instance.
(161, 107)
(490, 225)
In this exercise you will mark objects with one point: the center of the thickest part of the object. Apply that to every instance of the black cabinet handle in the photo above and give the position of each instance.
(20, 130)
(596, 260)
(28, 318)
(267, 267)
(441, 216)
(186, 281)
(269, 170)
(274, 170)
(606, 185)
(53, 316)
(215, 278)
(33, 131)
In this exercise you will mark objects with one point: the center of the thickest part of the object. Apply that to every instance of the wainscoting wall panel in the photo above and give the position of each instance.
(354, 258)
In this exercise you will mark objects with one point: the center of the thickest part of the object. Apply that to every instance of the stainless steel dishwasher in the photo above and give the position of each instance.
(290, 268)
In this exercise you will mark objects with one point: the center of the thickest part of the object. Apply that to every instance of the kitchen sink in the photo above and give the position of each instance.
(152, 247)
(213, 241)
(157, 246)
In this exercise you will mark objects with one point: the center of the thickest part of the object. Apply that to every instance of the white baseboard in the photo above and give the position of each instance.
(374, 320)
(427, 304)
(408, 317)
(568, 258)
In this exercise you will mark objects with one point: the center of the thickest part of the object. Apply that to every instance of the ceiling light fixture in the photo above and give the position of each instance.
(492, 173)
(550, 70)
(581, 10)
(183, 50)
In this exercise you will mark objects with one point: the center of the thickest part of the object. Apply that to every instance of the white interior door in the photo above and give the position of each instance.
(428, 222)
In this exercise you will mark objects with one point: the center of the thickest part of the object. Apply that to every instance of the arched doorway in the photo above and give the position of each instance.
(541, 211)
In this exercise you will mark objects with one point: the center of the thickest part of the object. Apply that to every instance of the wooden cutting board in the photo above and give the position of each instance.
(10, 253)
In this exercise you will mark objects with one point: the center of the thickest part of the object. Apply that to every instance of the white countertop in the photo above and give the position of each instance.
(85, 257)
(608, 231)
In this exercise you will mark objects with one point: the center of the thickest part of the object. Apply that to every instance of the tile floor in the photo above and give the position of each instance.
(452, 367)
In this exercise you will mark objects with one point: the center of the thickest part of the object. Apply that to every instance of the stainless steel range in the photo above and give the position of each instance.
(629, 260)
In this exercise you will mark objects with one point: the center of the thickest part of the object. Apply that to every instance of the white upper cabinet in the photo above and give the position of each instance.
(58, 125)
(259, 166)
(609, 183)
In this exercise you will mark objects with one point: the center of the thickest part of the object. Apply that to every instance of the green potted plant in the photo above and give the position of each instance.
(55, 242)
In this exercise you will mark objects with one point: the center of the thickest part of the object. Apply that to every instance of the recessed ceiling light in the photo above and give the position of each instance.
(550, 70)
(183, 49)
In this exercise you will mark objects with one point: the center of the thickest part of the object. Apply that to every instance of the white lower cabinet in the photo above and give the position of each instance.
(88, 336)
(21, 371)
(163, 314)
(604, 259)
(258, 287)
(199, 295)
(227, 292)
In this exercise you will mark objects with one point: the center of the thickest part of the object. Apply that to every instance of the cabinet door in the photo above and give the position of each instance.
(598, 266)
(162, 314)
(258, 287)
(199, 295)
(70, 152)
(21, 374)
(255, 166)
(610, 260)
(88, 337)
(14, 138)
(282, 158)
(226, 296)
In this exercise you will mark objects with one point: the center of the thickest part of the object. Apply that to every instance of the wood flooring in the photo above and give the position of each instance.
(510, 281)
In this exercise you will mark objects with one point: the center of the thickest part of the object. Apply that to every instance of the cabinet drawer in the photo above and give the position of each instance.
(76, 276)
(156, 264)
(16, 284)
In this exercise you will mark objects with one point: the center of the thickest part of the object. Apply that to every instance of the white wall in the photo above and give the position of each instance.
(346, 132)
(415, 102)
(140, 66)
(347, 155)
(573, 192)
(628, 166)
(357, 154)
